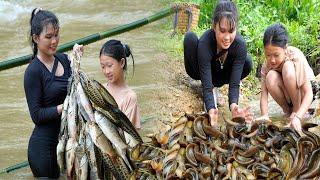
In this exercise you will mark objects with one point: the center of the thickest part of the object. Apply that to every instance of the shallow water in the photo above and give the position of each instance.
(78, 19)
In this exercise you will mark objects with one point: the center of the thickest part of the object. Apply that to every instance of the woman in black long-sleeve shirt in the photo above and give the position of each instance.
(45, 84)
(219, 57)
(44, 93)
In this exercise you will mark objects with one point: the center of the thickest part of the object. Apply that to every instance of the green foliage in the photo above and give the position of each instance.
(206, 12)
(293, 10)
(251, 26)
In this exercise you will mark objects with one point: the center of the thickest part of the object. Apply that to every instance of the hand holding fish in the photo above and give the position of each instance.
(213, 113)
(295, 122)
(78, 49)
(59, 108)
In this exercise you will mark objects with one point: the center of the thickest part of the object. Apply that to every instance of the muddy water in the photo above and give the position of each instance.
(77, 19)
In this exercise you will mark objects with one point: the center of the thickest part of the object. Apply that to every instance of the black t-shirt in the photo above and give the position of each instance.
(210, 69)
(44, 92)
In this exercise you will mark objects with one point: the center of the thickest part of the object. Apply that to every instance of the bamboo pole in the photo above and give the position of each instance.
(14, 167)
(19, 61)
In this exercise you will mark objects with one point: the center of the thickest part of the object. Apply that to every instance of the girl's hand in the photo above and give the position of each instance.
(236, 111)
(295, 122)
(213, 113)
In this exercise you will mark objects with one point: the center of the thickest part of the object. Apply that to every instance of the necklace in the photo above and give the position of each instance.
(49, 65)
(221, 57)
(221, 62)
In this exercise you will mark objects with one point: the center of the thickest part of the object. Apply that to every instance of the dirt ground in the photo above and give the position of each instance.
(179, 94)
(176, 94)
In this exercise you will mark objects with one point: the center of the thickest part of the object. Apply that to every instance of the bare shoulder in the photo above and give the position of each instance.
(293, 51)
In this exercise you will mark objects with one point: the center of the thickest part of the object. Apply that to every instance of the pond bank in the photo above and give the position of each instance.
(179, 94)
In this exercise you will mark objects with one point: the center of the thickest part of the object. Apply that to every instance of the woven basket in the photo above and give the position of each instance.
(184, 15)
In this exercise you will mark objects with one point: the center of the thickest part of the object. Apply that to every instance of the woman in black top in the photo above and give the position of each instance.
(45, 84)
(219, 57)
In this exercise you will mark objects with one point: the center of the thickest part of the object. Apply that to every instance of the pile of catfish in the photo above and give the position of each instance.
(192, 149)
(95, 136)
(97, 141)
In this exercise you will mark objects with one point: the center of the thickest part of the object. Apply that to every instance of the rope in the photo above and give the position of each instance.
(188, 10)
(175, 19)
(190, 17)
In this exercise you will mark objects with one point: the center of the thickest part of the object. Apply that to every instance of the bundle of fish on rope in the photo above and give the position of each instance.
(190, 148)
(95, 136)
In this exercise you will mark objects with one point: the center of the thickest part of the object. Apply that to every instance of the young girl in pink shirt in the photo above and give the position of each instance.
(286, 76)
(113, 61)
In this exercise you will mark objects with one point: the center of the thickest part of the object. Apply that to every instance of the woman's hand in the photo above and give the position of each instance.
(78, 49)
(263, 118)
(59, 108)
(236, 111)
(213, 113)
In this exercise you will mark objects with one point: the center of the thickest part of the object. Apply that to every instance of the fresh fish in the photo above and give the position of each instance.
(111, 132)
(70, 155)
(313, 167)
(130, 141)
(61, 147)
(81, 159)
(119, 119)
(100, 140)
(72, 115)
(85, 102)
(92, 158)
(117, 167)
(105, 94)
(64, 115)
(96, 92)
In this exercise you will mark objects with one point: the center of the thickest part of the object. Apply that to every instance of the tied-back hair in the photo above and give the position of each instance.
(276, 35)
(38, 21)
(226, 9)
(115, 49)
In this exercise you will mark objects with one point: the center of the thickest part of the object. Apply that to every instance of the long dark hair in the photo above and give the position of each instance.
(117, 50)
(38, 21)
(276, 35)
(226, 9)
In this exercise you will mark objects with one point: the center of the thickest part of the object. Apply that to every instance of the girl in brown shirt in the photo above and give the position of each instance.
(286, 75)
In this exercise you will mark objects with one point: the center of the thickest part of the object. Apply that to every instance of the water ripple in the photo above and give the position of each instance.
(10, 11)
